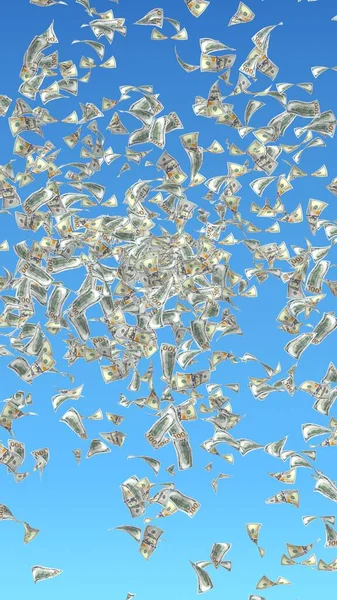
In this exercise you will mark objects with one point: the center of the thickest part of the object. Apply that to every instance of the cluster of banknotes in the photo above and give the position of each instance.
(167, 290)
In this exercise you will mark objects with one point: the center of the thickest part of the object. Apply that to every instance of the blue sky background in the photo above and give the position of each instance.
(73, 506)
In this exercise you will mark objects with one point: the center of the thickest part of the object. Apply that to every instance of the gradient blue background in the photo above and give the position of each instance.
(73, 506)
